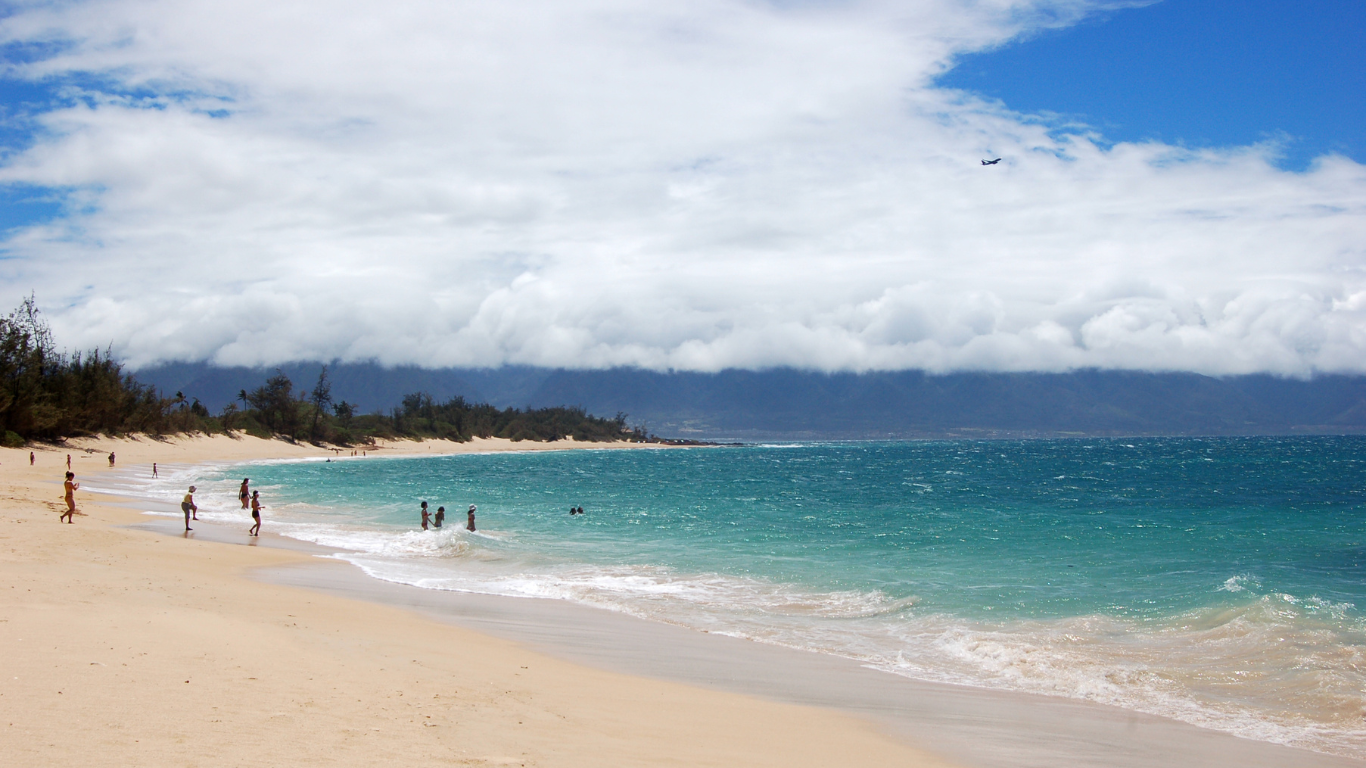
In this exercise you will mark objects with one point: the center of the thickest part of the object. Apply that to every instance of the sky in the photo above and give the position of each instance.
(1195, 73)
(692, 186)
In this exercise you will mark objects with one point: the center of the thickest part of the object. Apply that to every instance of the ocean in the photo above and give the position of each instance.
(1216, 581)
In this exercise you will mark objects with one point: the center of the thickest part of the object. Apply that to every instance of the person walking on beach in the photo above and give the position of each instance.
(440, 517)
(154, 470)
(71, 486)
(470, 525)
(31, 458)
(255, 513)
(425, 515)
(111, 458)
(242, 493)
(68, 461)
(187, 506)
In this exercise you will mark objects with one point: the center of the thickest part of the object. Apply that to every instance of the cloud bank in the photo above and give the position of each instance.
(595, 183)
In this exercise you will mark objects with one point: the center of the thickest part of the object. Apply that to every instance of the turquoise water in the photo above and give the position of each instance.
(1218, 581)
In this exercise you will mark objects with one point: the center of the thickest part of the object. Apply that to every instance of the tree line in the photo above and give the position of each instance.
(47, 394)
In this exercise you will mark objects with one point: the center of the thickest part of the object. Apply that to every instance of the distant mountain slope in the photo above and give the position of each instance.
(794, 404)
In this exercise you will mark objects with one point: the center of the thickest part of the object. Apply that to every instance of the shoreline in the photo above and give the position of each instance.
(198, 448)
(970, 727)
(966, 726)
(125, 646)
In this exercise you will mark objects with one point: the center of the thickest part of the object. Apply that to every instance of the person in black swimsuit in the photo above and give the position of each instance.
(256, 513)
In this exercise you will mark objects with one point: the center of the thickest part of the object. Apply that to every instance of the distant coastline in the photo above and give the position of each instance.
(49, 394)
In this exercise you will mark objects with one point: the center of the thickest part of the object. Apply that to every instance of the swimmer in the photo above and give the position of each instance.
(470, 525)
(71, 487)
(243, 493)
(187, 506)
(425, 515)
(255, 530)
(440, 517)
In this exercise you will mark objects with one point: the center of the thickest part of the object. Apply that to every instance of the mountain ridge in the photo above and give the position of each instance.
(792, 404)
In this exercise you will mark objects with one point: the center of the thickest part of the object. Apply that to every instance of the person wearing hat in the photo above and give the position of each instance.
(470, 525)
(187, 506)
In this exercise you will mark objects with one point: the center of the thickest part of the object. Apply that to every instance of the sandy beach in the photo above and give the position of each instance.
(127, 643)
(124, 646)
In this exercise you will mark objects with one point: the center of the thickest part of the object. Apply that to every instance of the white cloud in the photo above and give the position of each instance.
(590, 183)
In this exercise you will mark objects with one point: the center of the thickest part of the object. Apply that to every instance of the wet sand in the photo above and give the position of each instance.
(968, 726)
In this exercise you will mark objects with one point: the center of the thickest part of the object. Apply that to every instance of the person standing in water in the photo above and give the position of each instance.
(70, 485)
(470, 525)
(187, 506)
(440, 517)
(243, 494)
(425, 515)
(256, 513)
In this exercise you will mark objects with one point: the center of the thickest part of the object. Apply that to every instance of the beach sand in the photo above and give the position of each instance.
(126, 643)
(123, 646)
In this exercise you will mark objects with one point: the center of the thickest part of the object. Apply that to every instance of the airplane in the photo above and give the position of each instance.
(991, 162)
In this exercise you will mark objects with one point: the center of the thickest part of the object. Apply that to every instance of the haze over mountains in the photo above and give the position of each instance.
(794, 404)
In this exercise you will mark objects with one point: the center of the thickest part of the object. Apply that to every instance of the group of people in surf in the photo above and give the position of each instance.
(430, 521)
(249, 498)
(252, 498)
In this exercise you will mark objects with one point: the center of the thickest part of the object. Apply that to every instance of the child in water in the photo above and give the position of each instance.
(470, 525)
(425, 515)
(440, 517)
(256, 513)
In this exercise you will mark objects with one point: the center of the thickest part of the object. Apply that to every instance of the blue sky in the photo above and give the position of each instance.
(695, 186)
(1199, 73)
